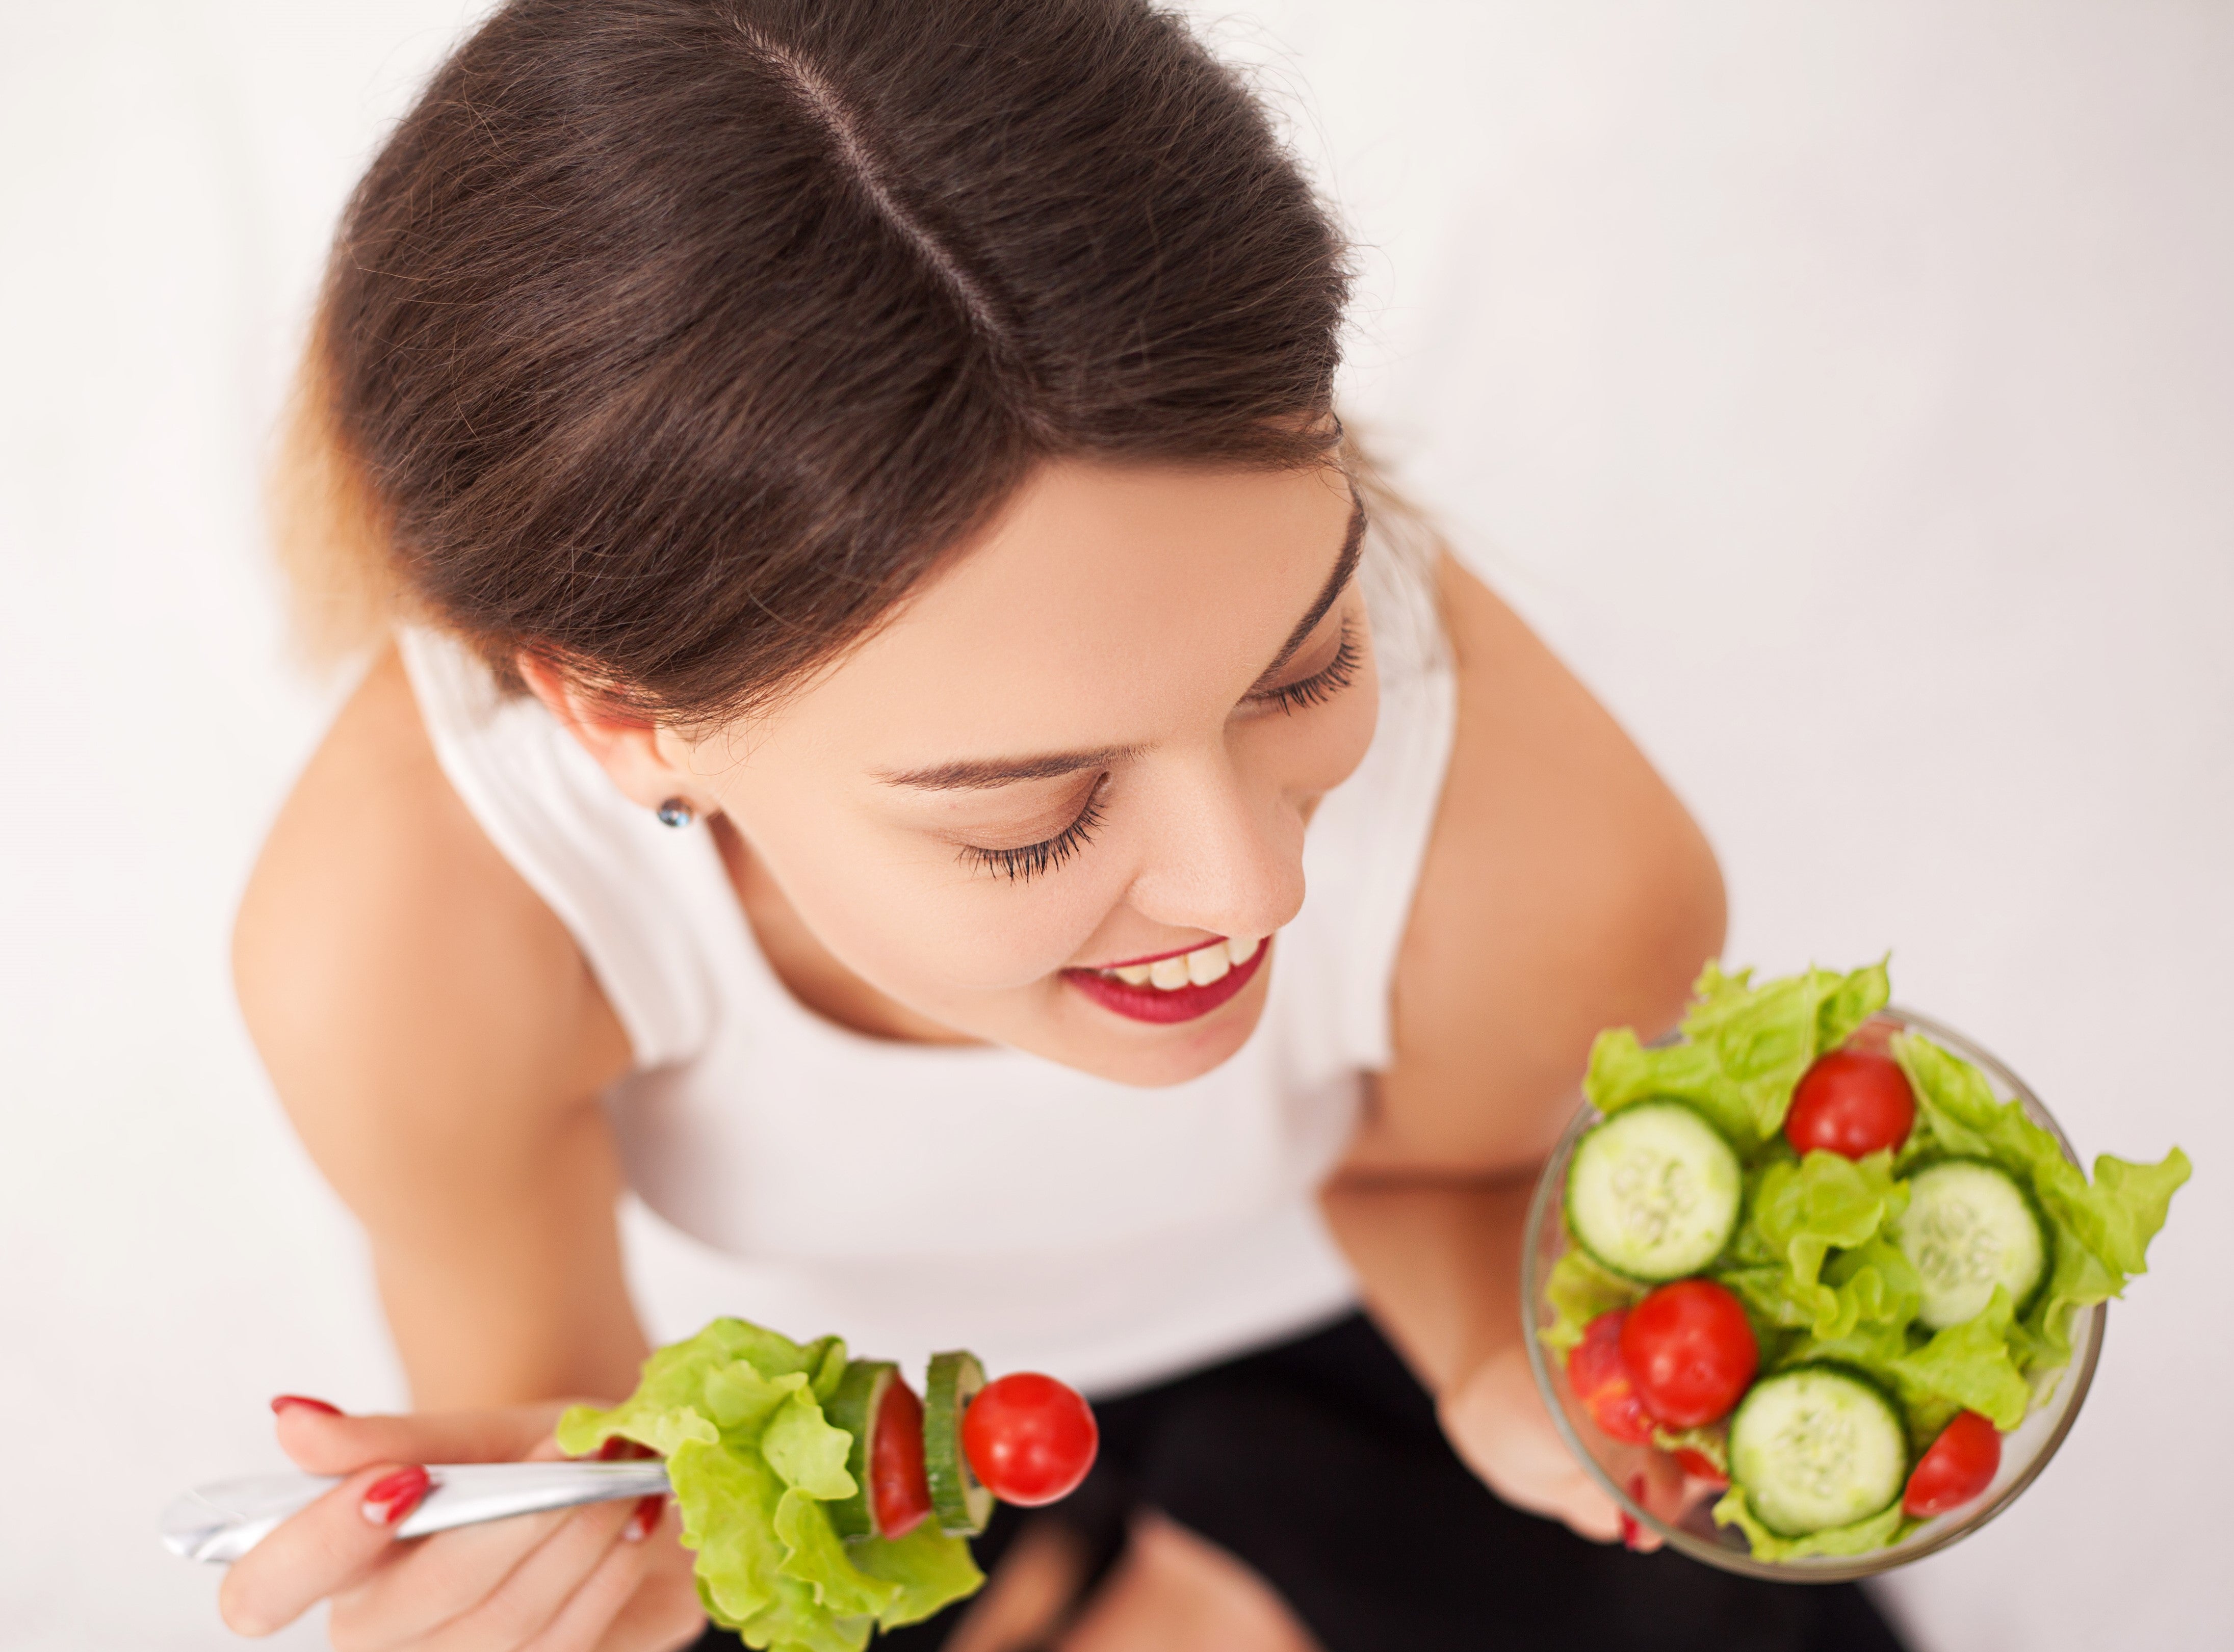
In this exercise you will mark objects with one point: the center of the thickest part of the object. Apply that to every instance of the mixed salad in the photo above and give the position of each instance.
(1820, 1263)
(824, 1499)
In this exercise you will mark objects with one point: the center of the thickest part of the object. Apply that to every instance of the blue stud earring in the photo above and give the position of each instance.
(675, 812)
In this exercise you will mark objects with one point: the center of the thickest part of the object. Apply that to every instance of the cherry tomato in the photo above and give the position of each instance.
(899, 1492)
(1029, 1437)
(1601, 1382)
(1960, 1464)
(1700, 1466)
(1851, 1101)
(1689, 1351)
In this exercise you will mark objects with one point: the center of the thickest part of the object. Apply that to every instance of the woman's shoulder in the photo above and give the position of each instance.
(386, 955)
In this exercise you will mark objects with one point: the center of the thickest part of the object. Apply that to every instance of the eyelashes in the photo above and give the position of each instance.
(1324, 683)
(1021, 865)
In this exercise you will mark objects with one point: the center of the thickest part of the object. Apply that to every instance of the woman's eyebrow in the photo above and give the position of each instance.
(985, 772)
(1345, 565)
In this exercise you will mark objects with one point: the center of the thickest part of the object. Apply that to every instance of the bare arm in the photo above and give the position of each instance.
(1565, 890)
(440, 1046)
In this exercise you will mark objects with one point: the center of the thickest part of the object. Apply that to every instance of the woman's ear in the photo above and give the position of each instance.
(645, 765)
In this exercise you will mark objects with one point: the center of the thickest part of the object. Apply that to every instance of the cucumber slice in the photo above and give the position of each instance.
(1653, 1192)
(958, 1502)
(861, 1392)
(1968, 1228)
(1815, 1447)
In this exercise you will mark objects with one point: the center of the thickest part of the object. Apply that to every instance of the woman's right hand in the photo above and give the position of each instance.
(605, 1577)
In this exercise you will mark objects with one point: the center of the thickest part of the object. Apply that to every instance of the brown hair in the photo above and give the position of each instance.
(674, 341)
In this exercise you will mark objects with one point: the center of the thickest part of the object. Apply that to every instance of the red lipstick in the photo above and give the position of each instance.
(1181, 1003)
(1157, 957)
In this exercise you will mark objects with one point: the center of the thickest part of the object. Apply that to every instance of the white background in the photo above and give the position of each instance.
(1845, 389)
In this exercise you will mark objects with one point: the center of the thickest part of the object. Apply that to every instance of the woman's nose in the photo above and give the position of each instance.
(1225, 857)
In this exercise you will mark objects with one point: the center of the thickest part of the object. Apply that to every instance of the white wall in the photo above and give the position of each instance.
(1844, 388)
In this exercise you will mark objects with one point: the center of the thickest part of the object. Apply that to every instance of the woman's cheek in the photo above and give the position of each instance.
(989, 934)
(904, 913)
(1308, 753)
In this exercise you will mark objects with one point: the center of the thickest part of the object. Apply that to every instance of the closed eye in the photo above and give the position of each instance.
(1032, 859)
(1323, 684)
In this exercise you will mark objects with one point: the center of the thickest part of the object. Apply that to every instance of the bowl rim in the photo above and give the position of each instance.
(1813, 1569)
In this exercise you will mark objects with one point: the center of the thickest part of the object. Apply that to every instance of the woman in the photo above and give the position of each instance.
(876, 629)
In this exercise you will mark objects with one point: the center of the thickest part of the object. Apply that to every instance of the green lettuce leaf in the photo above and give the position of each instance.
(737, 1413)
(1744, 1047)
(1578, 1290)
(1800, 1212)
(1875, 1533)
(1711, 1442)
(1966, 1367)
(929, 1568)
(2099, 1233)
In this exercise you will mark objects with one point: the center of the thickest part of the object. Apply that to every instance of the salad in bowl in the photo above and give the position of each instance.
(1816, 1287)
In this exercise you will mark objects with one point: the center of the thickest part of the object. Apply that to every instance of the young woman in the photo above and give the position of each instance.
(899, 728)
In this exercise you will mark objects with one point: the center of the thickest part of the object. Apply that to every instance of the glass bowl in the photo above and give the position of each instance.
(1616, 1466)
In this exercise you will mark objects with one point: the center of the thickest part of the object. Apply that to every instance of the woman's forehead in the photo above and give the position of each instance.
(1105, 606)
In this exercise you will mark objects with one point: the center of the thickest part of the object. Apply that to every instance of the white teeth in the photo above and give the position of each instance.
(1207, 963)
(1197, 969)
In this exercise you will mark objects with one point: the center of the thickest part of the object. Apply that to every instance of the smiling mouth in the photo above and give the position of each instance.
(1177, 986)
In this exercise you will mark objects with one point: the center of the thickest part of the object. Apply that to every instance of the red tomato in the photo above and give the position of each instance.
(1700, 1466)
(1960, 1464)
(899, 1494)
(1601, 1382)
(1852, 1102)
(1029, 1437)
(1689, 1351)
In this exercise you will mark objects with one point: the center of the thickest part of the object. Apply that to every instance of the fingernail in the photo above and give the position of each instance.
(281, 1401)
(1632, 1535)
(619, 1448)
(387, 1500)
(647, 1517)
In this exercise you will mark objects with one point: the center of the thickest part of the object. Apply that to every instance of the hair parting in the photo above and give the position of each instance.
(673, 342)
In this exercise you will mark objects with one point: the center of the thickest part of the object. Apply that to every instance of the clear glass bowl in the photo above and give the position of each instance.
(1614, 1465)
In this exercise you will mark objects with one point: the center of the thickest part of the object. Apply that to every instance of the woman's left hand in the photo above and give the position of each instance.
(1497, 1422)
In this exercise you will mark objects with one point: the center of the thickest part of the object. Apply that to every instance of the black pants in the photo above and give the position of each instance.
(1320, 1463)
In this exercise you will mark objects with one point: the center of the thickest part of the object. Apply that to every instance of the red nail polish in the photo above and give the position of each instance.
(389, 1498)
(1632, 1534)
(647, 1517)
(280, 1402)
(619, 1448)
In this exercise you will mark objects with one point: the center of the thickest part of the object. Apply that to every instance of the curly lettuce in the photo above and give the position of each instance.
(1803, 1213)
(2099, 1232)
(737, 1412)
(1578, 1290)
(1885, 1527)
(1744, 1047)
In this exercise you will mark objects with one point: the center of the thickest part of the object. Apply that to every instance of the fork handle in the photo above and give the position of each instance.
(224, 1520)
